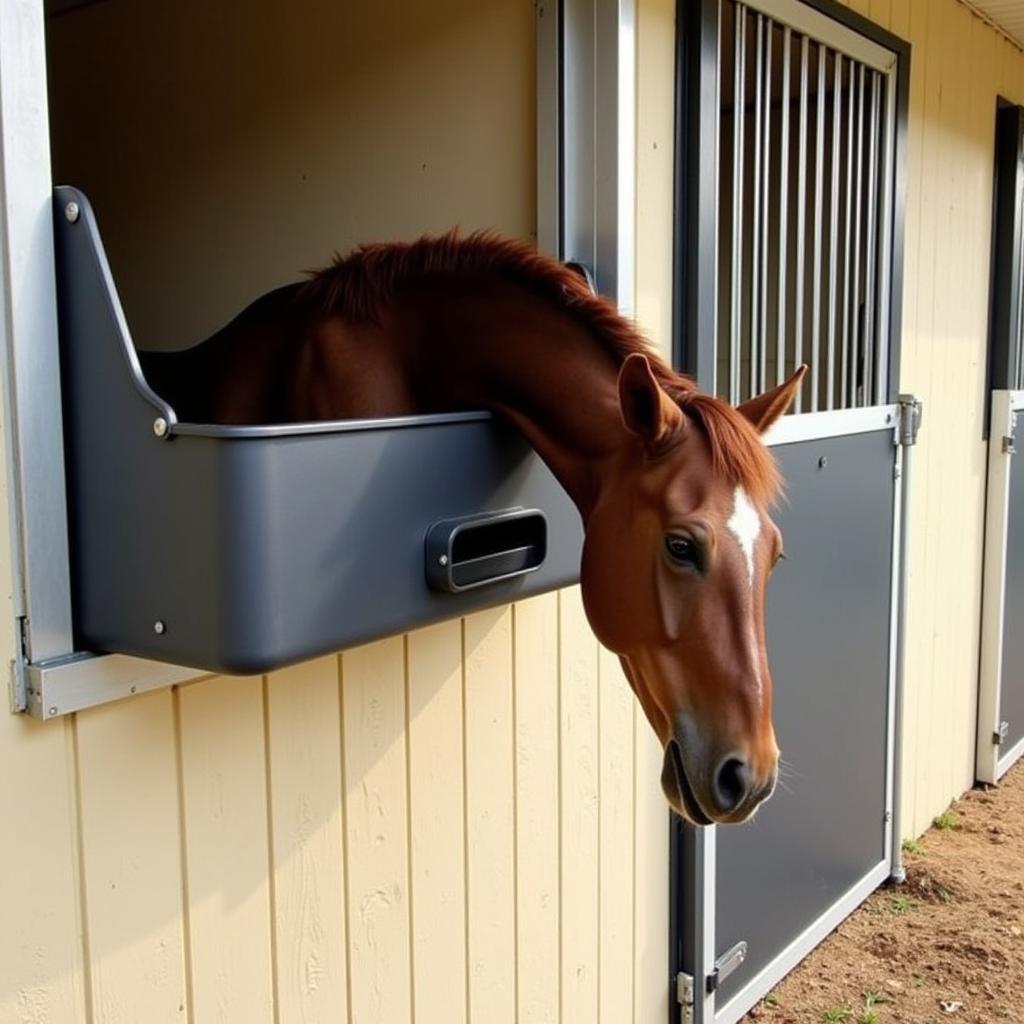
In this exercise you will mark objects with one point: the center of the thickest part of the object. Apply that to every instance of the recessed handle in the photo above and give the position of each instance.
(473, 551)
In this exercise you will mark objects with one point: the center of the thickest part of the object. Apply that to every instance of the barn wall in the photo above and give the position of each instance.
(959, 66)
(460, 824)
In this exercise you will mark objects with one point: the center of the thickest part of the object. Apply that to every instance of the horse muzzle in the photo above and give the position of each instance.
(704, 791)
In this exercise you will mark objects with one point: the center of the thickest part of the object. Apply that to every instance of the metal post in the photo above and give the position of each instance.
(738, 118)
(833, 240)
(756, 269)
(783, 258)
(847, 237)
(32, 428)
(871, 256)
(910, 423)
(762, 381)
(858, 189)
(819, 190)
(801, 220)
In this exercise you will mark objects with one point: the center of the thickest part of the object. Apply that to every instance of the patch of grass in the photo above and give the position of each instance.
(873, 999)
(944, 894)
(770, 1000)
(945, 820)
(912, 846)
(868, 1017)
(838, 1015)
(901, 905)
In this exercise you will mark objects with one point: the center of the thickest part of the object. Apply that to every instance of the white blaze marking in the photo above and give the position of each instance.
(745, 525)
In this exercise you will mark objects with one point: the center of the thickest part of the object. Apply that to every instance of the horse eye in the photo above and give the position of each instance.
(681, 550)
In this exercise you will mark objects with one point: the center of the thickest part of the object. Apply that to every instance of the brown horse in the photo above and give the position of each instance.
(673, 485)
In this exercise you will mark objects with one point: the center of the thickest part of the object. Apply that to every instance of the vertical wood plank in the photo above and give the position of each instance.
(304, 745)
(224, 791)
(651, 867)
(535, 644)
(131, 864)
(616, 705)
(42, 968)
(580, 794)
(376, 831)
(490, 817)
(437, 823)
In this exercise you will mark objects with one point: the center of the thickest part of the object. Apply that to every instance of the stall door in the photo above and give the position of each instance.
(796, 132)
(1001, 689)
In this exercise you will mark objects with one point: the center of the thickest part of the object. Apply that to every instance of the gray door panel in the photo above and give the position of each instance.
(828, 621)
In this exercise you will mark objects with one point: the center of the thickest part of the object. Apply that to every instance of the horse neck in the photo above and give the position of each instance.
(531, 362)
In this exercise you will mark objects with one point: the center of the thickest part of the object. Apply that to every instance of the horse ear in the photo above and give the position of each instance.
(647, 410)
(766, 408)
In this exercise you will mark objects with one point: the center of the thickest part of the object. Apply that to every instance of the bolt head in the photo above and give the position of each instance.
(443, 560)
(71, 212)
(822, 462)
(160, 426)
(159, 627)
(52, 711)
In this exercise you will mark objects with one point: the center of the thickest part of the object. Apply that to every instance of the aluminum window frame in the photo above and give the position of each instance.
(585, 212)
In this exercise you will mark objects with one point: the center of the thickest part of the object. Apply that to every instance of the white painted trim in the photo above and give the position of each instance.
(891, 767)
(997, 506)
(813, 426)
(773, 973)
(1010, 758)
(824, 29)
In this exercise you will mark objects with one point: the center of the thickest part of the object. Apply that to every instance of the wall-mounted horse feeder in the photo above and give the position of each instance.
(242, 549)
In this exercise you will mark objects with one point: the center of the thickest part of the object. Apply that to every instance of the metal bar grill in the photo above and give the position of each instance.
(783, 251)
(810, 189)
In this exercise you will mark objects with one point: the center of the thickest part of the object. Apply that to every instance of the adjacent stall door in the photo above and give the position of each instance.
(1001, 689)
(789, 123)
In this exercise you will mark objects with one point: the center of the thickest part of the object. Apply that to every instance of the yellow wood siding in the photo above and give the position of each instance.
(462, 824)
(465, 823)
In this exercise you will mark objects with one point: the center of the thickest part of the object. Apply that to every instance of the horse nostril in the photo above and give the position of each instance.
(732, 784)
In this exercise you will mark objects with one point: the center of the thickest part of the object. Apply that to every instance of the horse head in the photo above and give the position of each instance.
(679, 546)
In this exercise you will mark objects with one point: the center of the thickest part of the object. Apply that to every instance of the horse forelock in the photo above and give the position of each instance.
(737, 451)
(361, 285)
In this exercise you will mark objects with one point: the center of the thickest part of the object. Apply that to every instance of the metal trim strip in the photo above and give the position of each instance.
(812, 426)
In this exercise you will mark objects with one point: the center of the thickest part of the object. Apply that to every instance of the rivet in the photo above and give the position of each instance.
(822, 462)
(131, 689)
(159, 627)
(52, 711)
(160, 426)
(443, 560)
(71, 212)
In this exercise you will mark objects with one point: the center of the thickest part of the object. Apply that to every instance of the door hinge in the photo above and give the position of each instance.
(19, 681)
(911, 410)
(999, 736)
(684, 996)
(1008, 446)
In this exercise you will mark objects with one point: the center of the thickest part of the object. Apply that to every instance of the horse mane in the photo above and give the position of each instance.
(361, 285)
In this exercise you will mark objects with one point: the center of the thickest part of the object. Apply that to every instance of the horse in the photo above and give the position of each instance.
(674, 486)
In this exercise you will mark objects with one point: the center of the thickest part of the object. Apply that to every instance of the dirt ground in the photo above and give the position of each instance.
(945, 947)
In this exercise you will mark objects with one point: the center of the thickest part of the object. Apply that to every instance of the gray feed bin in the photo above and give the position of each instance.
(244, 549)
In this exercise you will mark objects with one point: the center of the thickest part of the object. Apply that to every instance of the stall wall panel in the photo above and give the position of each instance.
(381, 833)
(958, 66)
